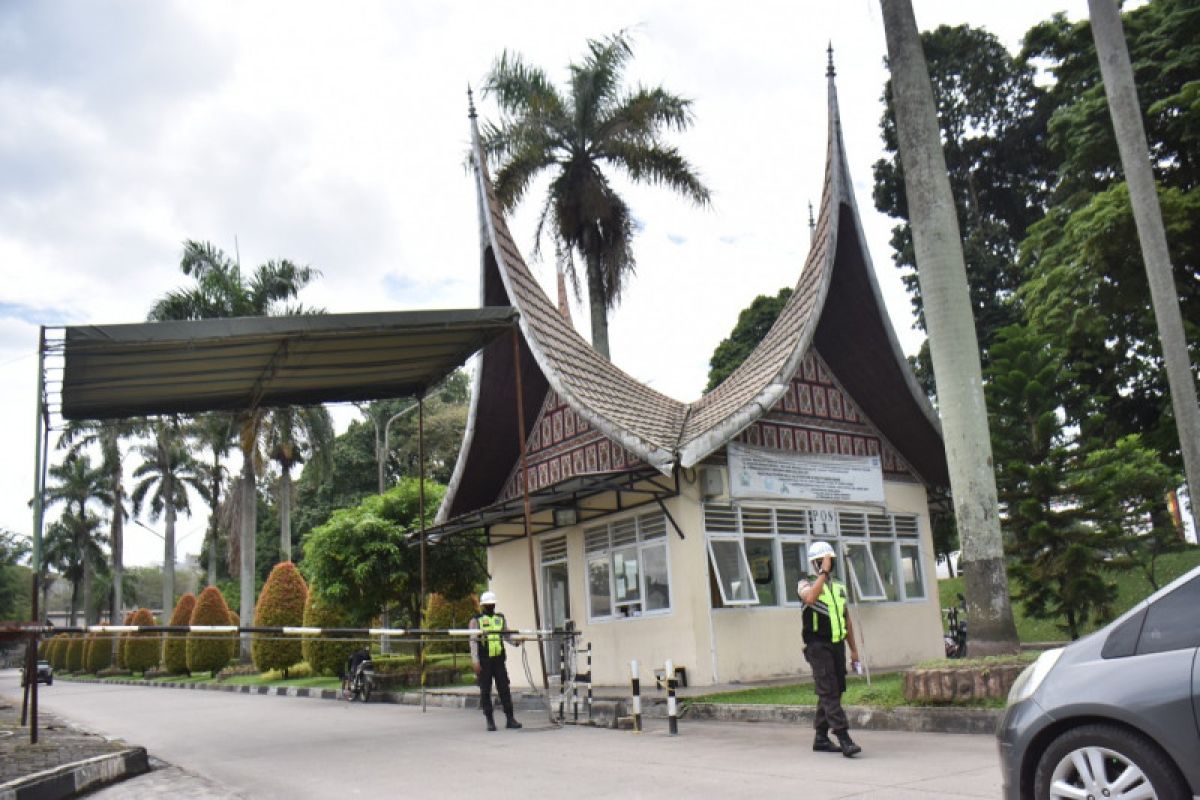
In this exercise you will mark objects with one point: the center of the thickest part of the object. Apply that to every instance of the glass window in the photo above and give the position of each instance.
(910, 565)
(658, 584)
(885, 561)
(794, 567)
(626, 576)
(732, 571)
(1172, 622)
(599, 588)
(760, 555)
(863, 577)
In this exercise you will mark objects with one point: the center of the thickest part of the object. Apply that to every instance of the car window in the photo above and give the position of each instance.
(1173, 622)
(1122, 640)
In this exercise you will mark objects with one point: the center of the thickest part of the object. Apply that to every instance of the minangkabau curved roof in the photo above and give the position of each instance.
(836, 307)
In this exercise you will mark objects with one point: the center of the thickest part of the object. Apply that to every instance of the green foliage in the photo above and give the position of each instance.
(124, 637)
(74, 661)
(14, 588)
(142, 650)
(753, 323)
(326, 656)
(56, 652)
(210, 652)
(175, 645)
(886, 691)
(361, 559)
(441, 613)
(98, 652)
(281, 603)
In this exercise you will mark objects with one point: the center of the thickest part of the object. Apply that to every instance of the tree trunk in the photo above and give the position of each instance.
(285, 513)
(118, 545)
(169, 548)
(73, 614)
(249, 522)
(952, 340)
(1147, 215)
(213, 520)
(87, 591)
(597, 306)
(380, 454)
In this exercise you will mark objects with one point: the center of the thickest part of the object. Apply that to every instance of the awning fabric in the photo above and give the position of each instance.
(113, 371)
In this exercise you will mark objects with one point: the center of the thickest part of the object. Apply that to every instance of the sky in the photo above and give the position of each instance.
(334, 135)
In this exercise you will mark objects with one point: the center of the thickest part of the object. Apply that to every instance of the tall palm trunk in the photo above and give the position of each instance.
(1147, 215)
(952, 339)
(168, 488)
(213, 523)
(88, 610)
(596, 304)
(285, 513)
(249, 522)
(117, 532)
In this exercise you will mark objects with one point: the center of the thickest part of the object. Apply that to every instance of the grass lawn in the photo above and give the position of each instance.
(1132, 587)
(885, 691)
(273, 679)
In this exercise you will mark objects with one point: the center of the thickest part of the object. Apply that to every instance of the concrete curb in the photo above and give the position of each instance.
(70, 780)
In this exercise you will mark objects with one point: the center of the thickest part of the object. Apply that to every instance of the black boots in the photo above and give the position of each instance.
(491, 722)
(848, 747)
(512, 722)
(822, 744)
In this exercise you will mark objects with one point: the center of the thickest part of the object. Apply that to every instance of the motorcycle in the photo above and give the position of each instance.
(359, 684)
(955, 637)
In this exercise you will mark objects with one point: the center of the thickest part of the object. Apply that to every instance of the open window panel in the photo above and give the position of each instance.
(732, 571)
(862, 572)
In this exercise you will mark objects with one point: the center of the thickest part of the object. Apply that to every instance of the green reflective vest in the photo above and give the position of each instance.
(826, 618)
(493, 625)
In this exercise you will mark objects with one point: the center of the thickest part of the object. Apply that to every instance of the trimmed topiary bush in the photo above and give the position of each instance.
(98, 655)
(75, 654)
(142, 650)
(124, 637)
(281, 603)
(441, 613)
(325, 656)
(175, 646)
(43, 647)
(210, 652)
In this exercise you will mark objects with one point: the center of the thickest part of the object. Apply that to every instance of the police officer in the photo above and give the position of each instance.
(487, 657)
(827, 629)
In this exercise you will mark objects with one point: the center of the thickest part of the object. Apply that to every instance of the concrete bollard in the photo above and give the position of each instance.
(637, 697)
(672, 710)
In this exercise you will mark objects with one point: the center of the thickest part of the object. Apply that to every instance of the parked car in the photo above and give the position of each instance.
(45, 673)
(1115, 714)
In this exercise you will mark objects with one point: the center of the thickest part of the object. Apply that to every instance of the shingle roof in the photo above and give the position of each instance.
(848, 323)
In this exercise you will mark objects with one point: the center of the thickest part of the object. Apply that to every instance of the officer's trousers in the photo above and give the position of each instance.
(828, 662)
(494, 668)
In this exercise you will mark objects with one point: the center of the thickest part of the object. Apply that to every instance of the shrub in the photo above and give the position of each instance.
(442, 613)
(75, 654)
(43, 648)
(98, 655)
(123, 638)
(56, 652)
(175, 645)
(281, 603)
(326, 656)
(142, 650)
(210, 652)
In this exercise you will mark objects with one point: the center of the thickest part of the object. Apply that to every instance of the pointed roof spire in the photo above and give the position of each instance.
(812, 224)
(830, 72)
(470, 102)
(564, 307)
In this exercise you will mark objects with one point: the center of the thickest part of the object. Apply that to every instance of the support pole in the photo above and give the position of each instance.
(421, 513)
(562, 679)
(672, 709)
(637, 696)
(589, 694)
(41, 437)
(524, 479)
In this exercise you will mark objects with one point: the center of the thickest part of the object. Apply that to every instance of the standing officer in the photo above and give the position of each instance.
(826, 630)
(487, 657)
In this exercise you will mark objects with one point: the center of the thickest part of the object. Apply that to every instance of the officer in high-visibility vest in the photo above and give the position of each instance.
(487, 657)
(827, 630)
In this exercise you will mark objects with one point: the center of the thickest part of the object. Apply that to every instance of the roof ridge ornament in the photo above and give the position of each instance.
(470, 103)
(830, 72)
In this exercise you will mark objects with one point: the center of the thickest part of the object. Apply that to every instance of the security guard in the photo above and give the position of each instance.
(827, 628)
(487, 657)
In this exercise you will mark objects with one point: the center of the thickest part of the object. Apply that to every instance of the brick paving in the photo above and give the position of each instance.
(58, 743)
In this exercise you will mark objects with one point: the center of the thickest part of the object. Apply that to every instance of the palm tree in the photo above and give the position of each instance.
(294, 434)
(1147, 215)
(221, 290)
(214, 433)
(108, 435)
(167, 470)
(77, 485)
(952, 340)
(597, 125)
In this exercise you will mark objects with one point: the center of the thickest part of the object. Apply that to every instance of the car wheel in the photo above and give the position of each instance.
(1106, 762)
(49, 681)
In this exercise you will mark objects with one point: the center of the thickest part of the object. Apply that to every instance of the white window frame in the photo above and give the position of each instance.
(852, 573)
(743, 563)
(650, 532)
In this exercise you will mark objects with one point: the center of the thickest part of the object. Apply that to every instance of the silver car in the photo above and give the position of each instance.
(1115, 714)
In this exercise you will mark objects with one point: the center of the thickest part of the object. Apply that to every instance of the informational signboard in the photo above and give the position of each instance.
(759, 472)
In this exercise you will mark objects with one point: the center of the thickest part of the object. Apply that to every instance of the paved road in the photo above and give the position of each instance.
(232, 745)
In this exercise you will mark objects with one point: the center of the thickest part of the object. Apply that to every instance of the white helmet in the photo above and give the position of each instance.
(818, 551)
(487, 599)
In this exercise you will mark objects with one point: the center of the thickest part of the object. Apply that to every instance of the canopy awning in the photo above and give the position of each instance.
(113, 371)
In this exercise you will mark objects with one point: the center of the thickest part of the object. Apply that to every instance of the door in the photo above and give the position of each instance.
(556, 608)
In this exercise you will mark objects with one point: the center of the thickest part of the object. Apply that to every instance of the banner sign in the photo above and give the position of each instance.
(764, 473)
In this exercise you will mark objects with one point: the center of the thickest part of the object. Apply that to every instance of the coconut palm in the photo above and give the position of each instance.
(597, 126)
(213, 432)
(952, 339)
(78, 486)
(292, 435)
(221, 290)
(167, 470)
(108, 436)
